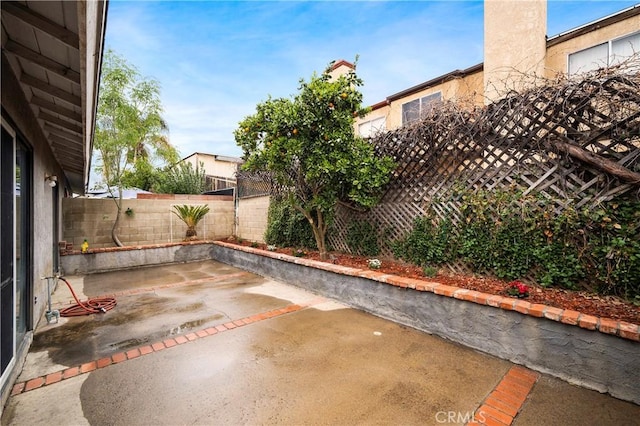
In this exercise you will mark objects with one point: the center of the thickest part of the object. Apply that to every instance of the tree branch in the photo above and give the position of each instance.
(597, 161)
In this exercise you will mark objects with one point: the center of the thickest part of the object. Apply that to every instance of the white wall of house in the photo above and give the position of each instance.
(214, 165)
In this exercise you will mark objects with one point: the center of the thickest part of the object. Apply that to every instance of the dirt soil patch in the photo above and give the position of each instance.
(581, 301)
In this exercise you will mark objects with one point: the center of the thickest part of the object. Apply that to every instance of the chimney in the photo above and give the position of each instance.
(515, 45)
(340, 67)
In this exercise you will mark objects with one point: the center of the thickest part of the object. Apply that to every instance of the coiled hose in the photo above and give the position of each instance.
(91, 306)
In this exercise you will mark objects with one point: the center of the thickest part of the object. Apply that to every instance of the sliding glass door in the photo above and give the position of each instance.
(7, 254)
(16, 169)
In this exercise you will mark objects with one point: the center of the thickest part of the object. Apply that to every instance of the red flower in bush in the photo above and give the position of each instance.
(518, 289)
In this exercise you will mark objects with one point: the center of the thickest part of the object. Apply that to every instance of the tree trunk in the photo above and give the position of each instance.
(603, 164)
(321, 243)
(114, 233)
(192, 234)
(319, 231)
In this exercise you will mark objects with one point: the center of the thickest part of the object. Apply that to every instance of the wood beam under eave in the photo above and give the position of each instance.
(58, 109)
(41, 23)
(70, 166)
(60, 122)
(54, 91)
(42, 61)
(62, 133)
(63, 154)
(60, 141)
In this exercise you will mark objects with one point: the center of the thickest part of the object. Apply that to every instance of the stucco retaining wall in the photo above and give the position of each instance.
(589, 358)
(101, 260)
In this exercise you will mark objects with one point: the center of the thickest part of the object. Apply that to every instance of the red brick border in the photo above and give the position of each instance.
(57, 376)
(506, 400)
(621, 329)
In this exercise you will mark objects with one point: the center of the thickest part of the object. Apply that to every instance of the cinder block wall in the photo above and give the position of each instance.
(152, 220)
(252, 218)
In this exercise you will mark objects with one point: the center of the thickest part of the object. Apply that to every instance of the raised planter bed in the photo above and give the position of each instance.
(592, 352)
(115, 258)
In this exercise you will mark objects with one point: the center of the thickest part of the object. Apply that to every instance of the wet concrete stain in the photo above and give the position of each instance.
(147, 318)
(310, 367)
(155, 337)
(150, 276)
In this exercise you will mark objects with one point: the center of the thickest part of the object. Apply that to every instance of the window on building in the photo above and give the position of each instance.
(624, 48)
(371, 128)
(613, 52)
(413, 110)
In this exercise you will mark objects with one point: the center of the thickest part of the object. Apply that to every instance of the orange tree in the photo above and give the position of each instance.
(309, 145)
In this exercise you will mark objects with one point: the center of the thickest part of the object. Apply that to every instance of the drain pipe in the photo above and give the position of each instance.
(50, 313)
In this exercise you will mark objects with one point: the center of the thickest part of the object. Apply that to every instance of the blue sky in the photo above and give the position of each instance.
(216, 60)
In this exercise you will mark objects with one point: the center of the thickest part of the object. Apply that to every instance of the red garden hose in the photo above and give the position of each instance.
(91, 306)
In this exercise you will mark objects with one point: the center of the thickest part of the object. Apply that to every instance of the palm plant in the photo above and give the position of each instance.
(191, 215)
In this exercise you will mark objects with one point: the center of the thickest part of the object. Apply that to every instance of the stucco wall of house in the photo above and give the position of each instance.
(252, 218)
(516, 51)
(20, 117)
(557, 59)
(214, 167)
(466, 89)
(152, 220)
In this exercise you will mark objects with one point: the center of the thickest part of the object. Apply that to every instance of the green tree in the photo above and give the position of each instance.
(309, 145)
(129, 126)
(182, 178)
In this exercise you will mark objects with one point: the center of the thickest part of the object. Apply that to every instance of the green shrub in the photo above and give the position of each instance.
(430, 271)
(362, 238)
(183, 178)
(287, 227)
(611, 245)
(427, 243)
(513, 236)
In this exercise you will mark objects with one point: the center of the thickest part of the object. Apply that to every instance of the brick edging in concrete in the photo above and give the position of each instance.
(67, 373)
(504, 403)
(621, 329)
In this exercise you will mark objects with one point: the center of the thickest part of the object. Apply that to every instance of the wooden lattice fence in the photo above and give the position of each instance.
(576, 143)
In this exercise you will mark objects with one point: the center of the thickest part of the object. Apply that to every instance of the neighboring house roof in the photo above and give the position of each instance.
(226, 158)
(594, 25)
(126, 193)
(576, 32)
(54, 51)
(337, 64)
(435, 81)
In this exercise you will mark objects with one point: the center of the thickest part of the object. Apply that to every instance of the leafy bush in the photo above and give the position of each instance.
(513, 236)
(362, 238)
(286, 227)
(611, 244)
(427, 243)
(181, 179)
(430, 271)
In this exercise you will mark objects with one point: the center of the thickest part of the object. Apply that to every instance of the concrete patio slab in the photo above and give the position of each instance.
(207, 344)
